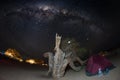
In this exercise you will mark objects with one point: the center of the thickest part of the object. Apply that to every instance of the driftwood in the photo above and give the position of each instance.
(50, 57)
(59, 61)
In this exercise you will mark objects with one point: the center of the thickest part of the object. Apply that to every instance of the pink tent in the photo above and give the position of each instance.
(97, 62)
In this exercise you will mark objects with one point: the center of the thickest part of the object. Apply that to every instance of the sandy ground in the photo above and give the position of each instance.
(18, 71)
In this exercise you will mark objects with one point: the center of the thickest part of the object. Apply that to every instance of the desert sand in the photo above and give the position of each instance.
(20, 71)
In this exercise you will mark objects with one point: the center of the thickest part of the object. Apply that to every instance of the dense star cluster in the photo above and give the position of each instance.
(48, 13)
(43, 10)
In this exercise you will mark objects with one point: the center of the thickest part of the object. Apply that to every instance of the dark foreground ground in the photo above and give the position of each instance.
(22, 71)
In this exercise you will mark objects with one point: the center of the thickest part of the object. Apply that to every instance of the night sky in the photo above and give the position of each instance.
(30, 26)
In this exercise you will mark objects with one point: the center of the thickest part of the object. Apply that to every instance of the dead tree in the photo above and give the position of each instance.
(60, 62)
(50, 57)
(62, 58)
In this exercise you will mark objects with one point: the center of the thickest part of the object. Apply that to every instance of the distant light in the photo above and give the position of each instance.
(9, 54)
(69, 42)
(21, 60)
(31, 61)
(44, 64)
(34, 61)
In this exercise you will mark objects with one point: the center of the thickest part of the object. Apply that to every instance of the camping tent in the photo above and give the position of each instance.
(97, 62)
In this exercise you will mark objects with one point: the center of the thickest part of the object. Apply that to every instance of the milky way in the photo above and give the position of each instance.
(31, 28)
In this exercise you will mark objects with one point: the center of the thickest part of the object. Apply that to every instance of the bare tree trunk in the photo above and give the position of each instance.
(60, 62)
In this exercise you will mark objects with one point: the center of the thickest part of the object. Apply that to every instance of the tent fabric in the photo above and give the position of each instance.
(95, 62)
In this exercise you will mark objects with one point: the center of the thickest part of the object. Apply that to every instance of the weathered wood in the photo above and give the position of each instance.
(50, 57)
(59, 61)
